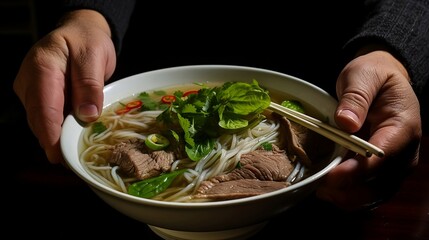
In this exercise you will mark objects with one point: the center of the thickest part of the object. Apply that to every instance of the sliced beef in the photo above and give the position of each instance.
(292, 136)
(261, 171)
(261, 164)
(136, 160)
(307, 146)
(240, 188)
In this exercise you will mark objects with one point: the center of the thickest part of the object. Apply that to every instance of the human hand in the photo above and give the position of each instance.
(377, 102)
(66, 69)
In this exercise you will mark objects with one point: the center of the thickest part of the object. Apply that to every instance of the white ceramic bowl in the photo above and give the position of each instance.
(233, 219)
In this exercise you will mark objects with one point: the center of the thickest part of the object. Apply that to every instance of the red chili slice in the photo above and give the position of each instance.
(134, 104)
(122, 111)
(190, 92)
(168, 99)
(129, 106)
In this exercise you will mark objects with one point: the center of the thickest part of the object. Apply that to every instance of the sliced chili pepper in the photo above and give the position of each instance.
(122, 111)
(129, 106)
(190, 92)
(134, 104)
(168, 99)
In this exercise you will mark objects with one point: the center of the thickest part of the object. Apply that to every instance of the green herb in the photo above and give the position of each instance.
(267, 146)
(149, 103)
(238, 165)
(98, 127)
(294, 105)
(232, 107)
(240, 103)
(151, 187)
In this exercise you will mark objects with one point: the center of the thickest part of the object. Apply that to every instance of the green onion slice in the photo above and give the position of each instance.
(156, 141)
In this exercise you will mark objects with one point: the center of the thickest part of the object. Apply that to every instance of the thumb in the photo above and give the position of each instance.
(351, 112)
(87, 79)
(355, 92)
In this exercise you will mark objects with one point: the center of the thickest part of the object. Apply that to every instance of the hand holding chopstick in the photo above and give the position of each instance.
(347, 140)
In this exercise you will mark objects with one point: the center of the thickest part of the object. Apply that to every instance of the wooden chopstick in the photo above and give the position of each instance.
(347, 140)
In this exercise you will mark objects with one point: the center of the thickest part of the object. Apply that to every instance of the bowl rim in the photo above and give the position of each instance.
(71, 120)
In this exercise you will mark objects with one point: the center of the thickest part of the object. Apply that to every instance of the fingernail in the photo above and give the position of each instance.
(87, 112)
(349, 114)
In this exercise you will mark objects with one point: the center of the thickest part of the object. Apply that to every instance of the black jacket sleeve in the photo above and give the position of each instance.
(116, 12)
(403, 26)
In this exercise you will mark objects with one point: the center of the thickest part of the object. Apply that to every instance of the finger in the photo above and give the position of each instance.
(46, 123)
(40, 87)
(90, 68)
(356, 89)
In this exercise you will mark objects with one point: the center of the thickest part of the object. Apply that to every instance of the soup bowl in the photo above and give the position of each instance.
(227, 219)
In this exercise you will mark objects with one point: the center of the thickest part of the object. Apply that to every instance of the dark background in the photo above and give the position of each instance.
(298, 40)
(274, 38)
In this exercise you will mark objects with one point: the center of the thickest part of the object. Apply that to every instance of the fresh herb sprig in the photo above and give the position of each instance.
(199, 118)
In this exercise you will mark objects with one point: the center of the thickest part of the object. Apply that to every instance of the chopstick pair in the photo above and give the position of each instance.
(347, 140)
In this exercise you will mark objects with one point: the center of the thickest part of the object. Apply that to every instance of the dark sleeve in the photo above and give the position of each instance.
(403, 26)
(116, 12)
